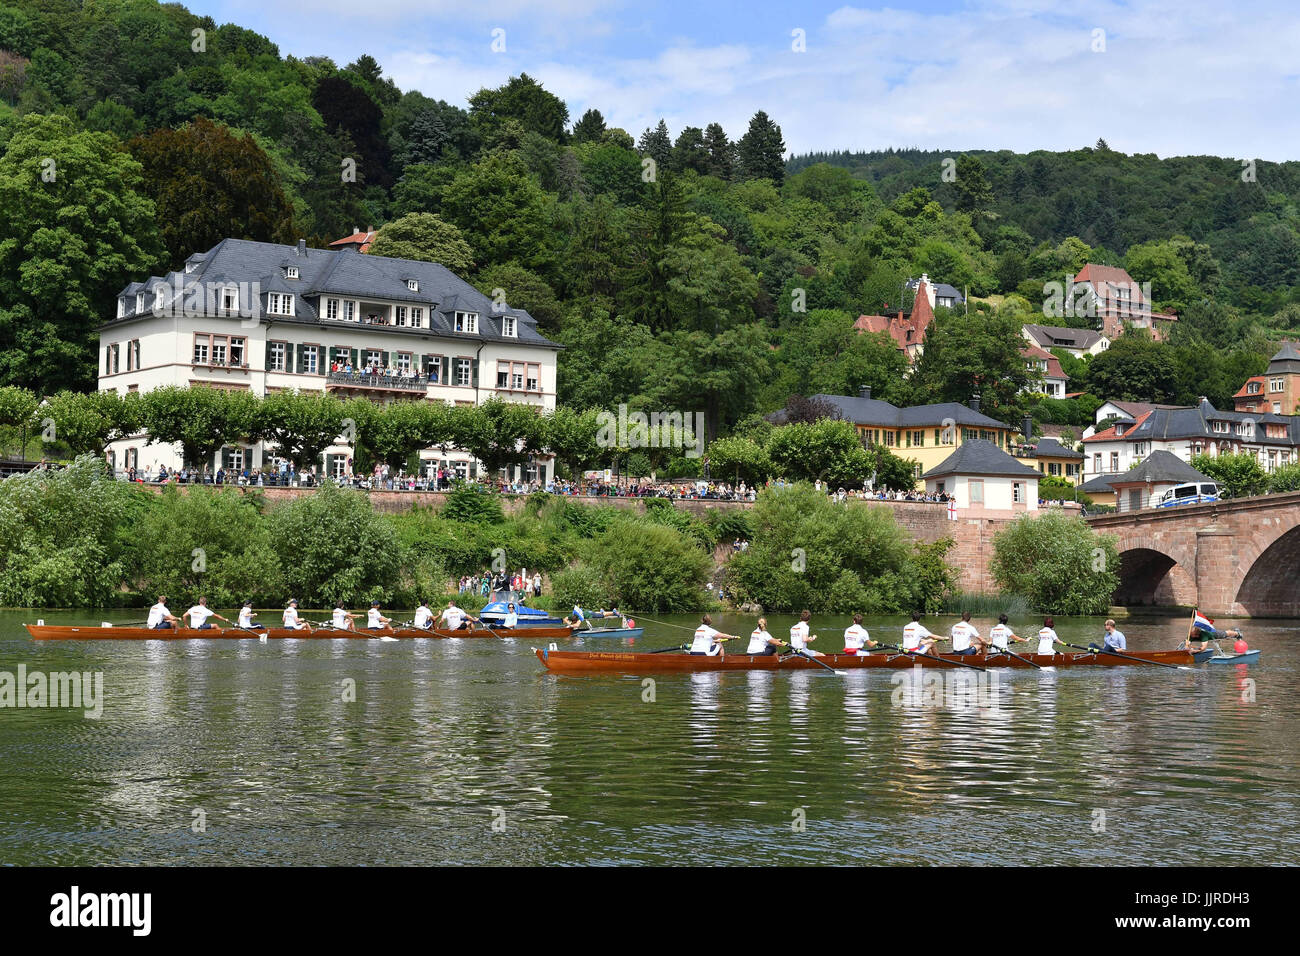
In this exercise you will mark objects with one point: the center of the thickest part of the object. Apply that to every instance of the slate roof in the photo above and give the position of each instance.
(1164, 423)
(941, 290)
(347, 273)
(1287, 359)
(1051, 448)
(1101, 485)
(1160, 467)
(872, 411)
(1054, 336)
(979, 457)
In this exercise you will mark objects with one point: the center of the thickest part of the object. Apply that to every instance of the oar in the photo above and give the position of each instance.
(809, 657)
(1135, 660)
(665, 650)
(943, 660)
(1007, 650)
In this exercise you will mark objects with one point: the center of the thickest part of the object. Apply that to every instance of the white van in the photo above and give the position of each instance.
(1191, 493)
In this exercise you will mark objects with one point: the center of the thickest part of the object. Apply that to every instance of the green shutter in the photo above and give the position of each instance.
(445, 378)
(388, 359)
(353, 357)
(473, 372)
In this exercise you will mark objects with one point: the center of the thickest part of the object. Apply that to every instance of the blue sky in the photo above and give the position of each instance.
(1171, 77)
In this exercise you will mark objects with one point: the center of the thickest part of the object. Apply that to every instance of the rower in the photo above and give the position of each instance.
(374, 620)
(291, 619)
(160, 618)
(1047, 639)
(917, 638)
(762, 643)
(1000, 635)
(199, 615)
(511, 618)
(708, 640)
(856, 638)
(963, 634)
(1113, 641)
(799, 636)
(424, 615)
(454, 617)
(246, 615)
(342, 618)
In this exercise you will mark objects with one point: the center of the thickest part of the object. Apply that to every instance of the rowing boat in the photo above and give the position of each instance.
(587, 661)
(42, 632)
(629, 632)
(1211, 657)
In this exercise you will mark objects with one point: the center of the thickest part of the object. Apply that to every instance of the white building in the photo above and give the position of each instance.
(262, 317)
(981, 475)
(1078, 342)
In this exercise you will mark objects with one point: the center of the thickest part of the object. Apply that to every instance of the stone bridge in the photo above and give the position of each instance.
(1230, 557)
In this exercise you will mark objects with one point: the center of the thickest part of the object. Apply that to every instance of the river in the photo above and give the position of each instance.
(431, 752)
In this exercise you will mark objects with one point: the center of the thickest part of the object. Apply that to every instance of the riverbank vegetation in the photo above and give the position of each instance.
(1057, 562)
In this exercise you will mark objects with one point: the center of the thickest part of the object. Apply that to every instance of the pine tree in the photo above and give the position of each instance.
(590, 128)
(721, 152)
(657, 144)
(761, 150)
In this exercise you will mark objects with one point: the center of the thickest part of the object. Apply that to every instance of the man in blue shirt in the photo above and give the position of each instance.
(1113, 641)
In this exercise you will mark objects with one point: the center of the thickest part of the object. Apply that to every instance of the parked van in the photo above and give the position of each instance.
(1191, 493)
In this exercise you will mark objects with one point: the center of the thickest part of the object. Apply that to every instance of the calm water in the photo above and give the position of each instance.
(447, 738)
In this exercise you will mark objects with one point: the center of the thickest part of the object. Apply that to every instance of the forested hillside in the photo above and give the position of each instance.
(691, 269)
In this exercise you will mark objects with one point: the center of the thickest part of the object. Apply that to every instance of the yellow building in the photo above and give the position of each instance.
(927, 434)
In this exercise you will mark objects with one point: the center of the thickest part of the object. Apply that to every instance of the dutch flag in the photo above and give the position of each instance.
(1201, 622)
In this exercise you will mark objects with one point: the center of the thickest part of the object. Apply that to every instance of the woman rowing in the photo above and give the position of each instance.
(917, 638)
(342, 618)
(708, 640)
(799, 636)
(762, 643)
(246, 615)
(291, 619)
(856, 638)
(1000, 635)
(1047, 639)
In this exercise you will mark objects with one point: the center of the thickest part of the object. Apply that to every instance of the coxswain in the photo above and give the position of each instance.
(512, 617)
(342, 618)
(761, 642)
(291, 619)
(1047, 639)
(856, 638)
(1001, 635)
(374, 620)
(246, 615)
(708, 640)
(424, 615)
(199, 615)
(1112, 641)
(964, 636)
(917, 638)
(799, 636)
(159, 617)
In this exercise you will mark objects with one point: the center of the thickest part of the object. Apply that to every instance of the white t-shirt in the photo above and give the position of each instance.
(1000, 635)
(374, 618)
(855, 637)
(1047, 641)
(962, 633)
(157, 614)
(799, 636)
(199, 615)
(512, 619)
(246, 617)
(703, 642)
(758, 642)
(423, 616)
(452, 617)
(291, 617)
(913, 632)
(341, 618)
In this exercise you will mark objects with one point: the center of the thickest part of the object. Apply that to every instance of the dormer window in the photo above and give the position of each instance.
(121, 306)
(467, 322)
(508, 326)
(413, 285)
(279, 303)
(291, 272)
(159, 298)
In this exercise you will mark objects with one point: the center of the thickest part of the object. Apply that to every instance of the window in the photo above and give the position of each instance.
(534, 378)
(517, 377)
(232, 458)
(508, 326)
(503, 374)
(275, 353)
(279, 303)
(349, 311)
(1054, 468)
(1140, 449)
(374, 358)
(121, 306)
(413, 285)
(403, 361)
(1114, 461)
(417, 317)
(309, 357)
(133, 354)
(1096, 462)
(159, 298)
(433, 368)
(399, 315)
(464, 373)
(467, 322)
(331, 308)
(1221, 427)
(114, 359)
(1254, 388)
(891, 439)
(229, 301)
(1276, 385)
(1018, 492)
(1277, 408)
(977, 491)
(139, 303)
(237, 351)
(201, 343)
(291, 272)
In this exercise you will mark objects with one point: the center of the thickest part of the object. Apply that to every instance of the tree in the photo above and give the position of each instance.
(1057, 562)
(1238, 476)
(590, 128)
(524, 101)
(302, 424)
(85, 423)
(424, 237)
(570, 436)
(650, 566)
(691, 152)
(825, 354)
(1160, 263)
(523, 290)
(975, 354)
(722, 153)
(499, 434)
(1134, 369)
(974, 194)
(503, 211)
(201, 420)
(348, 107)
(208, 184)
(657, 144)
(829, 450)
(77, 227)
(761, 151)
(739, 459)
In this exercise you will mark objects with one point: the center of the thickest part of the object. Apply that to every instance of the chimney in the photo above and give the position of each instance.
(975, 402)
(1027, 429)
(302, 247)
(864, 391)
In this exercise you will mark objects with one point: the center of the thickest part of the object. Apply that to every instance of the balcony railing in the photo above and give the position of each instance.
(365, 380)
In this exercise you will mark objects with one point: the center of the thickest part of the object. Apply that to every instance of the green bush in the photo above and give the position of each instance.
(472, 503)
(1238, 476)
(1286, 478)
(1058, 562)
(580, 585)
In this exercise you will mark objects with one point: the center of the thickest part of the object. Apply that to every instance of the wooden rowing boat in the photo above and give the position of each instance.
(40, 632)
(628, 632)
(588, 661)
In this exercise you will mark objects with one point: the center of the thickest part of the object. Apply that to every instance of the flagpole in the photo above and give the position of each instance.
(1191, 627)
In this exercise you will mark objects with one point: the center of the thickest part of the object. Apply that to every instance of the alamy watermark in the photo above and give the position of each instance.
(684, 430)
(78, 690)
(1092, 299)
(959, 689)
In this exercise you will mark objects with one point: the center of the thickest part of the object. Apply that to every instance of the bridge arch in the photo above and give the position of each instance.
(1148, 575)
(1270, 586)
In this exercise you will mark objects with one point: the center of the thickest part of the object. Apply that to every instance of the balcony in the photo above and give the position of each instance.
(367, 382)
